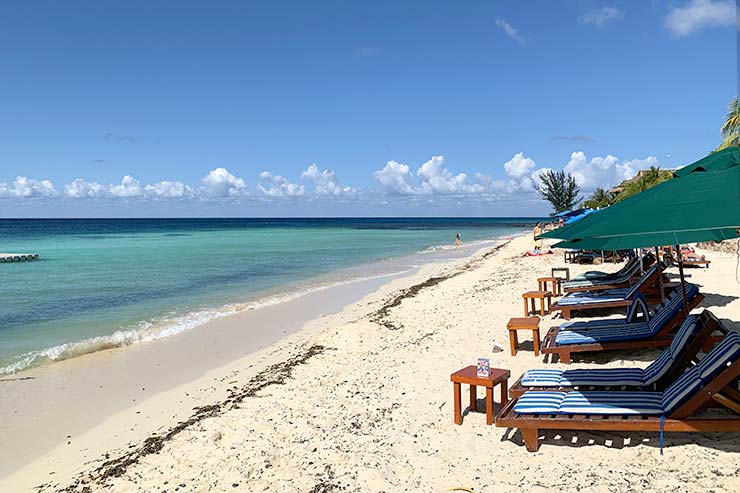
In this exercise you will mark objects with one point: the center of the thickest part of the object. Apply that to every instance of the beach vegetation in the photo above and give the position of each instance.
(600, 198)
(731, 127)
(560, 189)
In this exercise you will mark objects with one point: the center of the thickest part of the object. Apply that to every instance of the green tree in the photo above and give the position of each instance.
(600, 198)
(560, 189)
(647, 179)
(731, 127)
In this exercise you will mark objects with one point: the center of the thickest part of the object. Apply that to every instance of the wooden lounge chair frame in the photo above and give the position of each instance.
(648, 289)
(704, 340)
(661, 339)
(720, 392)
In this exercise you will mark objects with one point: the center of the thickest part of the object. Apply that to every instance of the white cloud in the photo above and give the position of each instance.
(604, 172)
(510, 31)
(697, 15)
(169, 190)
(279, 186)
(395, 178)
(220, 183)
(24, 187)
(128, 188)
(325, 182)
(433, 179)
(601, 16)
(438, 180)
(82, 189)
(519, 165)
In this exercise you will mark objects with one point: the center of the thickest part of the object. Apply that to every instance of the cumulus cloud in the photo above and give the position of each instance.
(169, 190)
(604, 171)
(325, 182)
(510, 31)
(697, 15)
(220, 183)
(433, 179)
(24, 187)
(599, 17)
(395, 178)
(277, 186)
(82, 189)
(129, 187)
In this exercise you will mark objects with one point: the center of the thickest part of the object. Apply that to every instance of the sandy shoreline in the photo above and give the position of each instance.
(361, 401)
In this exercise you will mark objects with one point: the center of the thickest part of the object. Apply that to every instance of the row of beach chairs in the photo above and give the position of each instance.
(698, 370)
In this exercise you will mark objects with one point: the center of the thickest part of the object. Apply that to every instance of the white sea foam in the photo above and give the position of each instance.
(169, 326)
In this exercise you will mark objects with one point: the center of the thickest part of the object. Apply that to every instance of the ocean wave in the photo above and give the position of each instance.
(168, 326)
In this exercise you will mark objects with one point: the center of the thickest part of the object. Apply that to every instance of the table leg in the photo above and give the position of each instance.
(534, 305)
(513, 341)
(536, 337)
(542, 306)
(504, 393)
(526, 311)
(473, 399)
(489, 405)
(456, 403)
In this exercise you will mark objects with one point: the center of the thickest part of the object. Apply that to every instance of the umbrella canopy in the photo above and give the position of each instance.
(584, 213)
(574, 212)
(701, 204)
(723, 159)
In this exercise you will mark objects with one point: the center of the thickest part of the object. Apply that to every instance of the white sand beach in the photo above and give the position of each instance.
(358, 400)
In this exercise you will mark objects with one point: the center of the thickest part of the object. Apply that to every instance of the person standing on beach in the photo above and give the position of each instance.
(535, 233)
(458, 241)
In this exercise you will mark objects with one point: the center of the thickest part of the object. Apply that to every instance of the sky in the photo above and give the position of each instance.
(348, 108)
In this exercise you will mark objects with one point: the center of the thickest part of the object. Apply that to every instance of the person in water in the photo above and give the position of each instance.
(458, 241)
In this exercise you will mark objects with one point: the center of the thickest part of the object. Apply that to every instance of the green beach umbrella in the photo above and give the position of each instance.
(723, 159)
(701, 204)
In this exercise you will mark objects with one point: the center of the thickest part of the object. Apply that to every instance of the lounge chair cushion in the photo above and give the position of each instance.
(680, 390)
(539, 402)
(612, 403)
(606, 334)
(718, 358)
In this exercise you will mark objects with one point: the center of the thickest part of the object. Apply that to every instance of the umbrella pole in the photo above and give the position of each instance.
(683, 281)
(660, 277)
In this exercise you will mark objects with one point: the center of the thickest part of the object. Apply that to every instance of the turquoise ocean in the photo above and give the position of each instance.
(105, 283)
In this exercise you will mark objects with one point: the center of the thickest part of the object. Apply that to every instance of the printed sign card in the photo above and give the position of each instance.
(484, 367)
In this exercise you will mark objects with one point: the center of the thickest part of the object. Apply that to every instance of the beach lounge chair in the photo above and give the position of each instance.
(713, 381)
(693, 335)
(563, 341)
(595, 275)
(610, 298)
(625, 277)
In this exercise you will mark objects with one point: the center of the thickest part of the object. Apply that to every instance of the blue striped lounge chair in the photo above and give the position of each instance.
(626, 276)
(690, 338)
(608, 298)
(563, 341)
(714, 380)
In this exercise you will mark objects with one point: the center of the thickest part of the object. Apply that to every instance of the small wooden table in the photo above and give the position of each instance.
(555, 281)
(527, 323)
(469, 375)
(537, 295)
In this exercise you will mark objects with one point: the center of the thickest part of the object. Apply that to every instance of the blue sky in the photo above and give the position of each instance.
(182, 108)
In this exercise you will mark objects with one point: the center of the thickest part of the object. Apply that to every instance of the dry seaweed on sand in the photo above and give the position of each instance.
(276, 374)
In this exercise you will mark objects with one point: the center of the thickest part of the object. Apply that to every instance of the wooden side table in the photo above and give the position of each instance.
(537, 295)
(527, 323)
(555, 281)
(469, 375)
